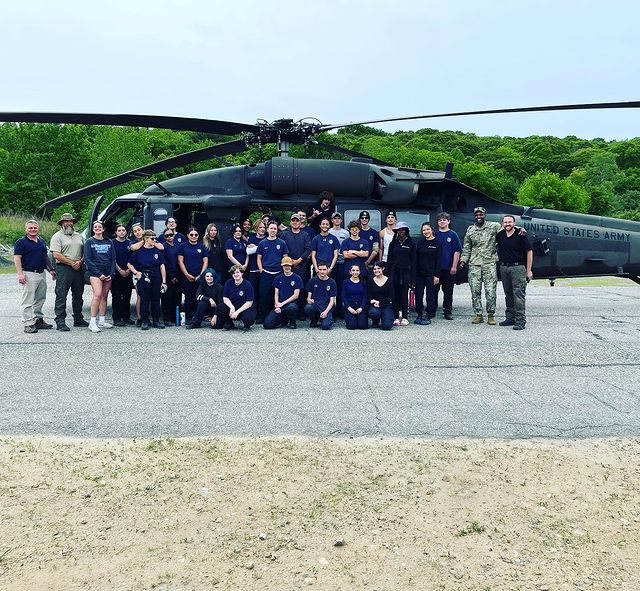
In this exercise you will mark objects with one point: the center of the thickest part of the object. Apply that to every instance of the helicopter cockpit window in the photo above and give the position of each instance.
(352, 214)
(414, 219)
(120, 213)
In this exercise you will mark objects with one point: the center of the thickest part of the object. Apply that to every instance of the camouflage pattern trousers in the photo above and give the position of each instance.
(487, 274)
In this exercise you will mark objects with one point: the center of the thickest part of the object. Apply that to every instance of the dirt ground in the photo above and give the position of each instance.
(335, 514)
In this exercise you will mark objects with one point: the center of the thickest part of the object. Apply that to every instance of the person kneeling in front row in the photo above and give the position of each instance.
(287, 286)
(208, 296)
(237, 302)
(380, 296)
(321, 298)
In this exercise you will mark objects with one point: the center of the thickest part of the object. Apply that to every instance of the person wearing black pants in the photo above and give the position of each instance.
(147, 266)
(380, 298)
(209, 297)
(237, 302)
(122, 285)
(193, 259)
(449, 259)
(172, 297)
(428, 253)
(401, 259)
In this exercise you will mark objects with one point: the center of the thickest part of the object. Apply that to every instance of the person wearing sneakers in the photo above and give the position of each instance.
(479, 252)
(287, 287)
(100, 259)
(31, 260)
(402, 262)
(67, 247)
(516, 259)
(321, 297)
(237, 302)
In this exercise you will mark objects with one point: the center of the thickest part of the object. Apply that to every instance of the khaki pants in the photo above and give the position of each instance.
(34, 293)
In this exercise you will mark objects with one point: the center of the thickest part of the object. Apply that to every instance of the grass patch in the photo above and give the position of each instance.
(473, 528)
(12, 227)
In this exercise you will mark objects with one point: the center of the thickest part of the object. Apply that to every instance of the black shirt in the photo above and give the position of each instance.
(512, 249)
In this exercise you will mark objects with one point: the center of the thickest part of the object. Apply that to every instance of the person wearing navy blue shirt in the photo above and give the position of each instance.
(100, 259)
(368, 233)
(324, 247)
(354, 300)
(192, 261)
(171, 224)
(449, 259)
(147, 265)
(172, 297)
(321, 297)
(270, 252)
(355, 250)
(255, 238)
(380, 296)
(287, 287)
(237, 302)
(236, 248)
(426, 274)
(31, 261)
(121, 286)
(299, 245)
(209, 296)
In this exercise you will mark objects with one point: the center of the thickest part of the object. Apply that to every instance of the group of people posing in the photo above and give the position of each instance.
(279, 275)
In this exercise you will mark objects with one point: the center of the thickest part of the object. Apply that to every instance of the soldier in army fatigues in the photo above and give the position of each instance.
(480, 253)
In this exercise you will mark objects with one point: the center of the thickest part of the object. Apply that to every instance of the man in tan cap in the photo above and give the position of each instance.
(67, 248)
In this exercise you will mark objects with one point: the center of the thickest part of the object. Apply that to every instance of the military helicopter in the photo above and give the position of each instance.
(565, 244)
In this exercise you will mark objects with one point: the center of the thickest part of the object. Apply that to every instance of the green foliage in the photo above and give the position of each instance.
(547, 189)
(40, 162)
(12, 227)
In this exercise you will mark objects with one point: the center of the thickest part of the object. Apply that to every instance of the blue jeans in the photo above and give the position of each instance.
(288, 315)
(354, 321)
(314, 316)
(382, 315)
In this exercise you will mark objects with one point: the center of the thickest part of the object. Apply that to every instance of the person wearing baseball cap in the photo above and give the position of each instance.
(67, 247)
(287, 287)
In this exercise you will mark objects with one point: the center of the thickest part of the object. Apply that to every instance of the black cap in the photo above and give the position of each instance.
(364, 214)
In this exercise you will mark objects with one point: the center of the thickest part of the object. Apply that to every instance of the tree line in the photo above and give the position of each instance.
(39, 162)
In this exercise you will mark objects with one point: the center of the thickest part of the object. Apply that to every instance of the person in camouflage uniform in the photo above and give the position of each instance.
(479, 251)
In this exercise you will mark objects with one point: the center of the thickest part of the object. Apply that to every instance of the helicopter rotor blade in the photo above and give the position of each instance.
(575, 107)
(233, 147)
(158, 121)
(351, 153)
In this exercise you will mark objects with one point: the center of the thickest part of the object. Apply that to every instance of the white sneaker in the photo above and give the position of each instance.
(93, 327)
(396, 322)
(105, 324)
(404, 322)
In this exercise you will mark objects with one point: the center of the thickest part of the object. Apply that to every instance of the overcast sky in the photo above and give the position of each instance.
(337, 60)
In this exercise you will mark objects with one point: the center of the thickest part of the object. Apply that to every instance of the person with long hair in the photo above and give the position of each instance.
(122, 285)
(354, 299)
(236, 248)
(426, 274)
(256, 237)
(147, 265)
(100, 259)
(380, 296)
(217, 257)
(209, 296)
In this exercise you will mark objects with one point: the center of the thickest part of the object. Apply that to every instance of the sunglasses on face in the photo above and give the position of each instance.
(169, 235)
(193, 234)
(364, 217)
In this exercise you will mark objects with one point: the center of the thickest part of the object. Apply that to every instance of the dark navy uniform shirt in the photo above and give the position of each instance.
(324, 247)
(287, 285)
(147, 260)
(272, 252)
(239, 248)
(322, 291)
(33, 253)
(238, 294)
(194, 255)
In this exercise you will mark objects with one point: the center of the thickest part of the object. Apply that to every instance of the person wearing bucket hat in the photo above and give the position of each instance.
(402, 262)
(67, 247)
(287, 287)
(480, 253)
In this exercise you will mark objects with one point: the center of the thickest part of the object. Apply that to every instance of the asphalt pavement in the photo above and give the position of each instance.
(574, 372)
